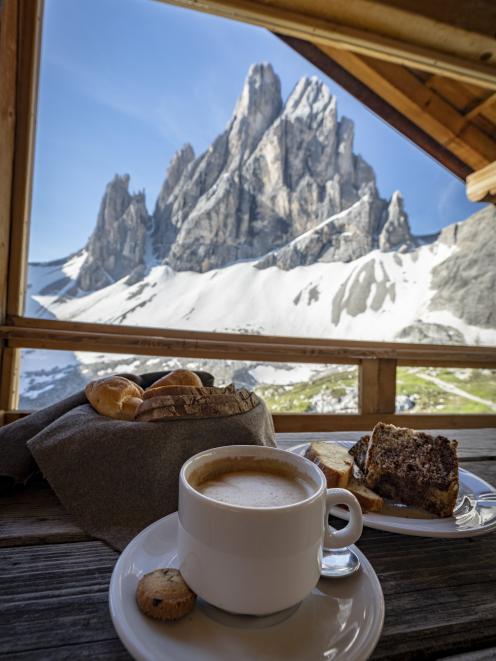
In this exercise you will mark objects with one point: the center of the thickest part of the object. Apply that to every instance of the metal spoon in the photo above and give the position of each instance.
(338, 563)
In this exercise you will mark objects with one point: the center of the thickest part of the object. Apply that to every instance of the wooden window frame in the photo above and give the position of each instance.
(20, 38)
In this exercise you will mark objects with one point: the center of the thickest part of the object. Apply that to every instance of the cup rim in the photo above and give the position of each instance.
(321, 484)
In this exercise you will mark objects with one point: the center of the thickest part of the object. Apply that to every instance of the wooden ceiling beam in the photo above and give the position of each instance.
(373, 28)
(421, 105)
(480, 107)
(481, 185)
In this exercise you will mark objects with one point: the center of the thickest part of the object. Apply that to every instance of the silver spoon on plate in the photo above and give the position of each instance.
(338, 563)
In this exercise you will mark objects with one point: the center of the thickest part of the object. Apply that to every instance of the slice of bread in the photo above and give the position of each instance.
(369, 501)
(333, 460)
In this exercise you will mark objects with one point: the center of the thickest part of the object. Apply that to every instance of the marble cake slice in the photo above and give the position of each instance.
(413, 467)
(359, 452)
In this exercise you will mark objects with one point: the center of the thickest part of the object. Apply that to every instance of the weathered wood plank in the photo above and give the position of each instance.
(106, 650)
(321, 423)
(436, 602)
(35, 516)
(54, 595)
(440, 594)
(316, 422)
(488, 654)
(55, 334)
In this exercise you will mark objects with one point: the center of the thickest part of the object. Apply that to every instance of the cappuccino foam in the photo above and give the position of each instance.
(254, 486)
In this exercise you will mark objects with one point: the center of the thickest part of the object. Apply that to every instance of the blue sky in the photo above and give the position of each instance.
(124, 83)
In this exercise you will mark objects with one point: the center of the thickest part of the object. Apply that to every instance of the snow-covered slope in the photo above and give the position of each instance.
(375, 298)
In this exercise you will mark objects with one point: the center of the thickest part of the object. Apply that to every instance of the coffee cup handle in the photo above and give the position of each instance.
(336, 539)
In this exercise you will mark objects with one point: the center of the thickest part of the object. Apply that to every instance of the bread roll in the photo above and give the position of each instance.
(130, 407)
(162, 391)
(178, 378)
(115, 397)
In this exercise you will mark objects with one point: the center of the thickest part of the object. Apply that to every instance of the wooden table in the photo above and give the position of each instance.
(440, 594)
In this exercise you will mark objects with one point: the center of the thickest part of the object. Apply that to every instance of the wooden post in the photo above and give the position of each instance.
(9, 391)
(20, 31)
(28, 51)
(8, 71)
(8, 49)
(377, 386)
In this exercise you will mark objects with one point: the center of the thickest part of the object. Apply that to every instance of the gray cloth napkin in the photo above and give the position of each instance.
(16, 461)
(117, 477)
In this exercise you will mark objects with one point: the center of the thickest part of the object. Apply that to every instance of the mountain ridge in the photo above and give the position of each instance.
(278, 170)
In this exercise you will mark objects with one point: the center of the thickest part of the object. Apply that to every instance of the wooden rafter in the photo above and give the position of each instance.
(423, 106)
(489, 101)
(481, 185)
(408, 33)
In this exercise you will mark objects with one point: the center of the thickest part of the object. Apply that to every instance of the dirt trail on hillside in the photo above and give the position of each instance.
(449, 387)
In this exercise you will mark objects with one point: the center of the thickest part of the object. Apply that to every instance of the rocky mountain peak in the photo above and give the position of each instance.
(117, 245)
(257, 107)
(396, 234)
(261, 93)
(310, 99)
(277, 172)
(114, 202)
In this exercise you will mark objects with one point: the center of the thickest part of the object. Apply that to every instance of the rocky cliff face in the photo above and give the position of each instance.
(281, 184)
(296, 171)
(466, 281)
(117, 246)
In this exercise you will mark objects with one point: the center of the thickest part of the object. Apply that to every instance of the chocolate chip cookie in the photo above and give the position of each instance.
(163, 595)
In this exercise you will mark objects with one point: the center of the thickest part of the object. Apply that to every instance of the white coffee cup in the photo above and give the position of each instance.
(258, 560)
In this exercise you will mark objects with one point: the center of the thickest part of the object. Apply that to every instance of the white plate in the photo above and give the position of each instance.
(340, 619)
(474, 513)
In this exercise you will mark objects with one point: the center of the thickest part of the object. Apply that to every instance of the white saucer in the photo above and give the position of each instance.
(340, 619)
(474, 513)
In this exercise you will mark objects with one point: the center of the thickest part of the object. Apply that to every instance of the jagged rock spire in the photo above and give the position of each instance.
(181, 159)
(117, 245)
(257, 107)
(395, 234)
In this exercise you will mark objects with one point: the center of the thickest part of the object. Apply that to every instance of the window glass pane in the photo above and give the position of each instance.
(210, 178)
(443, 390)
(48, 376)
